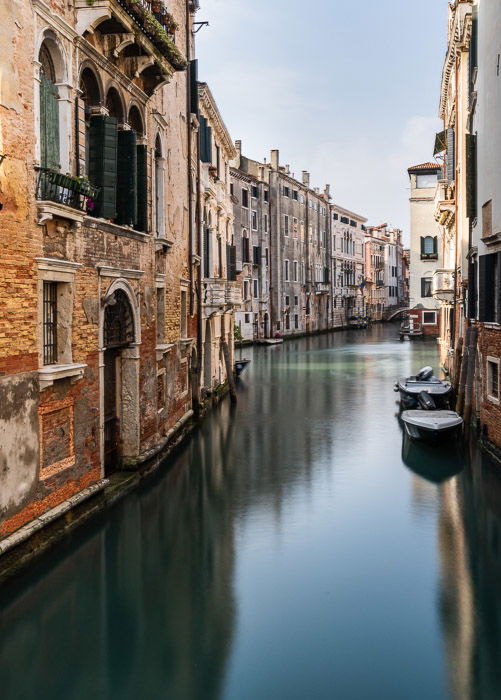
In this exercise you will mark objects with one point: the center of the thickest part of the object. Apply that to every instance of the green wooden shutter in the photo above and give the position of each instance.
(472, 290)
(103, 164)
(422, 247)
(207, 243)
(231, 262)
(486, 291)
(473, 45)
(202, 134)
(127, 178)
(435, 245)
(451, 155)
(193, 73)
(471, 176)
(142, 188)
(49, 124)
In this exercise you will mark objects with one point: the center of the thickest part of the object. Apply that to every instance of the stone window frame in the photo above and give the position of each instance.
(62, 272)
(430, 323)
(489, 361)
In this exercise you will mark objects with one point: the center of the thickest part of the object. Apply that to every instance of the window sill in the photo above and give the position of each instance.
(50, 373)
(117, 230)
(48, 210)
(163, 243)
(492, 399)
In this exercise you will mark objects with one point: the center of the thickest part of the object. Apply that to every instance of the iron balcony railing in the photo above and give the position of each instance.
(77, 193)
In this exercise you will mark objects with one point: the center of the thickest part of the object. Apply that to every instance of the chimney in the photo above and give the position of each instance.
(327, 191)
(274, 159)
(287, 170)
(306, 178)
(238, 146)
(317, 190)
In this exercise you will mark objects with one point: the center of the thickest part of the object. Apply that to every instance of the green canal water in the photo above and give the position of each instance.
(296, 547)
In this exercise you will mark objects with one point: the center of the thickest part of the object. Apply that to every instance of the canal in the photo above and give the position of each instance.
(295, 547)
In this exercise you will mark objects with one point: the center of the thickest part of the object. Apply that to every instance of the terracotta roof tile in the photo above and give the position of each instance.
(425, 166)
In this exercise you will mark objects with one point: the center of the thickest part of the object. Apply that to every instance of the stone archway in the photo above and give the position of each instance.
(119, 377)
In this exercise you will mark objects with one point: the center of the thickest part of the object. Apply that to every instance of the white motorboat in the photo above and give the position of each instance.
(410, 388)
(431, 425)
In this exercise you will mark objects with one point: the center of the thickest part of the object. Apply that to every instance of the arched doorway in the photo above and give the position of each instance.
(118, 335)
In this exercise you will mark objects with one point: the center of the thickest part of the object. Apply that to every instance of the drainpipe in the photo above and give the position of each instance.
(190, 186)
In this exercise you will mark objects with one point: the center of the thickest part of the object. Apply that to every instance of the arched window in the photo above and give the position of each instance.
(118, 328)
(49, 111)
(90, 97)
(159, 189)
(245, 247)
(429, 247)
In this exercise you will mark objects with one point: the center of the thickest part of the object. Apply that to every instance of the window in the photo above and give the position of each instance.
(429, 318)
(287, 300)
(286, 191)
(50, 355)
(426, 181)
(254, 191)
(265, 223)
(487, 219)
(286, 265)
(294, 227)
(49, 112)
(287, 322)
(266, 196)
(160, 315)
(245, 250)
(426, 286)
(246, 289)
(295, 194)
(286, 225)
(184, 313)
(247, 318)
(296, 321)
(493, 379)
(335, 217)
(489, 284)
(255, 288)
(256, 255)
(254, 220)
(231, 188)
(296, 301)
(245, 198)
(429, 248)
(294, 271)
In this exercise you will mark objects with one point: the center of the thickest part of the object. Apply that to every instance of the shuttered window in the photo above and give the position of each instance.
(205, 141)
(49, 124)
(489, 288)
(245, 250)
(207, 242)
(472, 290)
(429, 247)
(193, 76)
(103, 137)
(127, 178)
(142, 188)
(256, 255)
(471, 176)
(451, 155)
(231, 262)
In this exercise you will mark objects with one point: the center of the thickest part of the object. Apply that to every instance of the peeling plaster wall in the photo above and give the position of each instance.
(18, 440)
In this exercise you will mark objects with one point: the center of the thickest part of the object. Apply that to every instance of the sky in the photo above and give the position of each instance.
(346, 89)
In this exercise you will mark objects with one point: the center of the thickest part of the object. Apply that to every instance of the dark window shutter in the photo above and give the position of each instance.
(423, 286)
(103, 164)
(486, 290)
(256, 255)
(435, 245)
(208, 154)
(451, 155)
(245, 250)
(205, 141)
(231, 262)
(472, 290)
(49, 124)
(422, 245)
(202, 135)
(471, 176)
(142, 188)
(473, 43)
(127, 178)
(326, 275)
(194, 86)
(206, 252)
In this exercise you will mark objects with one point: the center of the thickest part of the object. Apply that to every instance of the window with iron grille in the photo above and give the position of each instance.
(49, 323)
(493, 379)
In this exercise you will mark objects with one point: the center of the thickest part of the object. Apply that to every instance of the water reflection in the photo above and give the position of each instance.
(280, 555)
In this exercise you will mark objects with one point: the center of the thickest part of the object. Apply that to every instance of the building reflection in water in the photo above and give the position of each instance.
(470, 585)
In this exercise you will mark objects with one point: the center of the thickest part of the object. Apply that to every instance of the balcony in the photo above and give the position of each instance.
(63, 196)
(219, 294)
(322, 287)
(443, 285)
(119, 21)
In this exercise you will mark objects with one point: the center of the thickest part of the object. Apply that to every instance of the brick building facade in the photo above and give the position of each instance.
(97, 302)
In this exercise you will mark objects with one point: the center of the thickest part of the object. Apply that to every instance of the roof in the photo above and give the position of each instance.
(425, 166)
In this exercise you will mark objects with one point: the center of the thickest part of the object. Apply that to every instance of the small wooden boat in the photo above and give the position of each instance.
(410, 388)
(240, 365)
(270, 341)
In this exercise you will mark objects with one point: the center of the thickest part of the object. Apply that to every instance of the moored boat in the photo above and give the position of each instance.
(240, 365)
(409, 389)
(431, 425)
(270, 341)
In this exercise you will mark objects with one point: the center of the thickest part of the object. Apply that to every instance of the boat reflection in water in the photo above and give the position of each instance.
(435, 463)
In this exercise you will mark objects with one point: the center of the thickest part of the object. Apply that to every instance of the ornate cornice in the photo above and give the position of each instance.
(209, 107)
